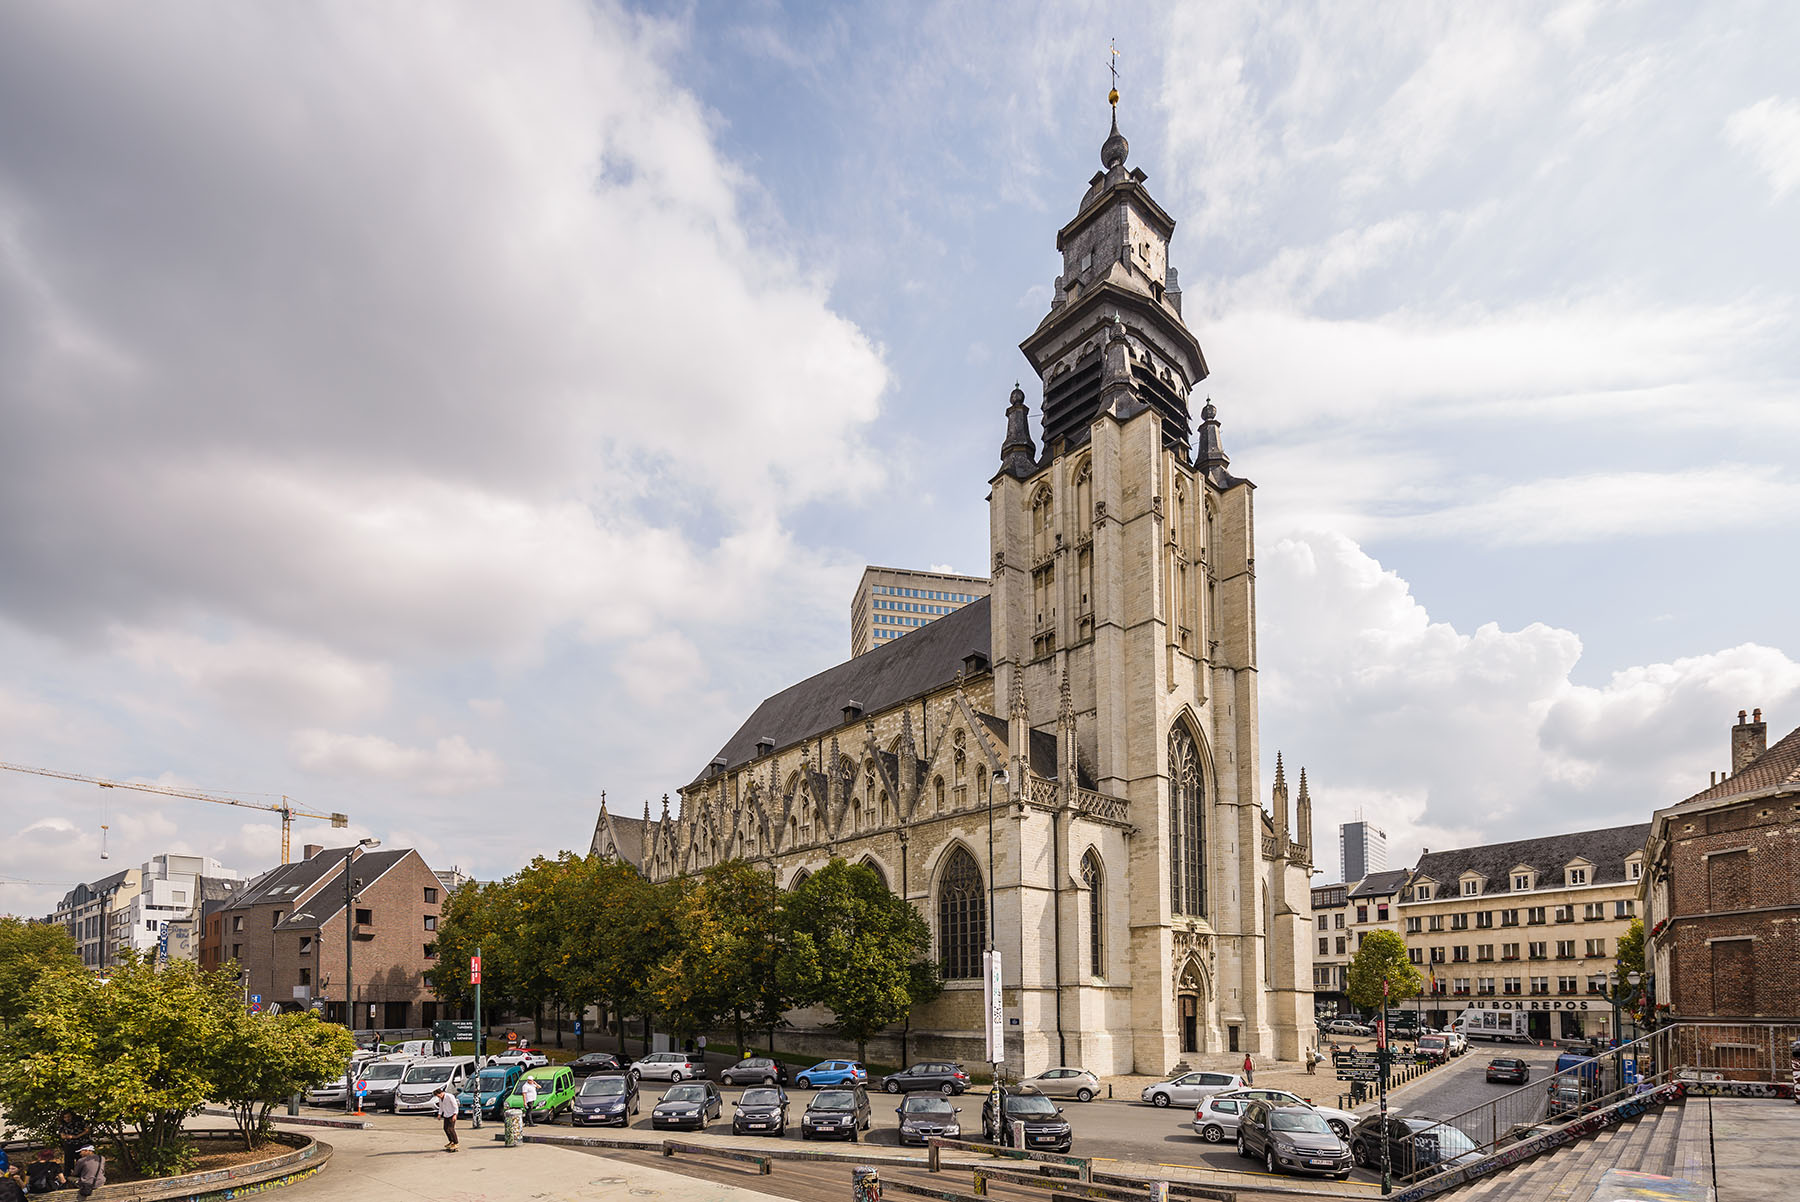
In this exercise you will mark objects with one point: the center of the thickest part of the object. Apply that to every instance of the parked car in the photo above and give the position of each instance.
(689, 1104)
(1436, 1047)
(1340, 1121)
(596, 1062)
(556, 1091)
(1216, 1117)
(938, 1075)
(1508, 1068)
(755, 1070)
(382, 1078)
(603, 1100)
(327, 1093)
(523, 1057)
(837, 1114)
(1045, 1128)
(1415, 1145)
(417, 1091)
(925, 1115)
(490, 1086)
(1189, 1088)
(1292, 1139)
(1075, 1083)
(832, 1073)
(668, 1066)
(1569, 1096)
(761, 1111)
(1459, 1043)
(1344, 1026)
(415, 1049)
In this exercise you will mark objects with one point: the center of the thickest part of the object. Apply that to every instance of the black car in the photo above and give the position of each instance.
(761, 1111)
(689, 1104)
(1415, 1145)
(1293, 1139)
(940, 1076)
(1507, 1068)
(755, 1070)
(1046, 1130)
(596, 1062)
(604, 1101)
(927, 1115)
(837, 1114)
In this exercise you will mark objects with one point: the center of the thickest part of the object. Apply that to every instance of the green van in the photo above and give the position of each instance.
(556, 1090)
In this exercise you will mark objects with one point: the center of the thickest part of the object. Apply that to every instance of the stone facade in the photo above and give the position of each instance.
(1722, 895)
(1343, 916)
(1082, 745)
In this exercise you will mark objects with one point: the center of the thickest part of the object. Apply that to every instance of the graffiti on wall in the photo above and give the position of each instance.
(1738, 1089)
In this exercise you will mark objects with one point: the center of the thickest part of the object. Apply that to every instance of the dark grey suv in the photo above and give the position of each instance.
(938, 1075)
(1292, 1139)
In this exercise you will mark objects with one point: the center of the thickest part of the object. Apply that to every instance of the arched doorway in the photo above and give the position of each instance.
(1190, 996)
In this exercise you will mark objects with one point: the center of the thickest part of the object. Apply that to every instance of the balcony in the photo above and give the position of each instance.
(364, 930)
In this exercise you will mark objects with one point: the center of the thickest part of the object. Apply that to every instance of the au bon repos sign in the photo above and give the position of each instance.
(1532, 1003)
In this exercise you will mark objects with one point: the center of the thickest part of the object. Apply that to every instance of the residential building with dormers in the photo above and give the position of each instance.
(1531, 925)
(1343, 916)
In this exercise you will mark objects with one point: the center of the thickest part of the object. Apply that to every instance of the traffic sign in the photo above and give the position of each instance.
(474, 970)
(578, 1026)
(1359, 1074)
(453, 1028)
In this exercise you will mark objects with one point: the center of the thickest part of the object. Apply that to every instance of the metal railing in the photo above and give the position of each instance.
(1720, 1057)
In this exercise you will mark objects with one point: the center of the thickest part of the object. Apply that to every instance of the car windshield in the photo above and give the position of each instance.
(834, 1099)
(760, 1097)
(926, 1106)
(427, 1074)
(686, 1093)
(753, 1064)
(1449, 1141)
(1029, 1104)
(602, 1087)
(491, 1081)
(385, 1072)
(1298, 1120)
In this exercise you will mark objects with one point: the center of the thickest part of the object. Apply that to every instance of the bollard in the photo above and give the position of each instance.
(294, 1103)
(933, 1159)
(865, 1184)
(515, 1127)
(980, 1180)
(1158, 1191)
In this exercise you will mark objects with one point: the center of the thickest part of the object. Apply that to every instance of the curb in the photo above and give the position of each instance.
(296, 1165)
(293, 1120)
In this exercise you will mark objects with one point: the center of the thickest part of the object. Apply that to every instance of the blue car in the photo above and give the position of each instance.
(491, 1085)
(828, 1073)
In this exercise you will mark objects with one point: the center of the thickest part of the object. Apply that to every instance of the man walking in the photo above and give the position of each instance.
(1249, 1070)
(445, 1106)
(528, 1097)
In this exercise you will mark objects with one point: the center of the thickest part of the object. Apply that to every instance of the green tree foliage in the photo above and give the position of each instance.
(619, 928)
(727, 946)
(260, 1060)
(472, 917)
(1382, 957)
(850, 947)
(29, 950)
(1631, 959)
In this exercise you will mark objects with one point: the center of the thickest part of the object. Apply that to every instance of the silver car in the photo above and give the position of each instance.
(668, 1066)
(1216, 1117)
(1189, 1088)
(1075, 1083)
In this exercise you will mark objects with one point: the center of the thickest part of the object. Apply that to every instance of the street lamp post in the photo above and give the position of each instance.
(349, 952)
(996, 1035)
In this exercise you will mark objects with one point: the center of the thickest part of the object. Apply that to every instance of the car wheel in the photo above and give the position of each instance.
(1212, 1133)
(892, 1087)
(675, 1076)
(768, 1081)
(1269, 1160)
(1339, 1128)
(1160, 1099)
(1242, 1150)
(853, 1135)
(1084, 1095)
(1345, 1176)
(947, 1090)
(1359, 1154)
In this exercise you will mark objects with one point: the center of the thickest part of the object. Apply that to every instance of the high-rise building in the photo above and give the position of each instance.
(1362, 848)
(889, 602)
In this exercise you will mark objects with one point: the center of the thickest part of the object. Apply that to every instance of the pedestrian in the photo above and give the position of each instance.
(1312, 1061)
(45, 1173)
(445, 1106)
(1249, 1071)
(528, 1097)
(90, 1170)
(72, 1131)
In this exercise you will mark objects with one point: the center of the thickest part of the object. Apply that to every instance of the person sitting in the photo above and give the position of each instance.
(90, 1171)
(45, 1173)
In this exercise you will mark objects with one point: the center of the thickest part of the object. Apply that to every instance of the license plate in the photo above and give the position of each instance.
(756, 1126)
(1043, 1139)
(1321, 1160)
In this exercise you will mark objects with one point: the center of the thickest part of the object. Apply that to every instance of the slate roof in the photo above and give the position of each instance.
(286, 884)
(913, 664)
(1606, 849)
(1383, 884)
(1776, 768)
(1043, 751)
(628, 837)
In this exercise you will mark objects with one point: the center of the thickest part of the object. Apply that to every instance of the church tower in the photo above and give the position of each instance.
(1124, 591)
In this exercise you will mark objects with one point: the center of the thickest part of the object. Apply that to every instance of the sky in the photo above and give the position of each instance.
(446, 414)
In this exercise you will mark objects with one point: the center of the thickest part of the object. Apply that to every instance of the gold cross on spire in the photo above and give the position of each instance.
(1112, 63)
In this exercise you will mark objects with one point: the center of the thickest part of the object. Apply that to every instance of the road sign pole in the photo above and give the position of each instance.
(1382, 1057)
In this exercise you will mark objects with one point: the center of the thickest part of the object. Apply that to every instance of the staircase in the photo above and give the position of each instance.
(1669, 1141)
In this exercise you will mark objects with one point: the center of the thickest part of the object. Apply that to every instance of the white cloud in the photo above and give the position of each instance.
(265, 676)
(1769, 133)
(448, 766)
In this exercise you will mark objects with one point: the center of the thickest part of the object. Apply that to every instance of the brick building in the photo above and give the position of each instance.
(286, 931)
(1722, 891)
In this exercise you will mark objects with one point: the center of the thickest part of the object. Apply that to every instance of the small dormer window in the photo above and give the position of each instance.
(1471, 887)
(1422, 892)
(1634, 869)
(1578, 876)
(1521, 882)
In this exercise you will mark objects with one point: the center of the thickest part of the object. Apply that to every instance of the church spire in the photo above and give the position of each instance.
(1209, 449)
(1018, 454)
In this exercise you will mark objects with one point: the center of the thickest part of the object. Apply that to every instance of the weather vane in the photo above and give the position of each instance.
(1113, 64)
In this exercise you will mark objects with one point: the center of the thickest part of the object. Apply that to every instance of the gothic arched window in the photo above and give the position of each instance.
(1095, 880)
(981, 783)
(962, 917)
(1187, 826)
(937, 792)
(1043, 517)
(799, 880)
(869, 863)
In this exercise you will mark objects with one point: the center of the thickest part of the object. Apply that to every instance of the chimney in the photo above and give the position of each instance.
(310, 850)
(1748, 741)
(717, 766)
(852, 710)
(764, 746)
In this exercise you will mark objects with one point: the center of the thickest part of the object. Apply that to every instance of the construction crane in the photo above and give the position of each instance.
(285, 808)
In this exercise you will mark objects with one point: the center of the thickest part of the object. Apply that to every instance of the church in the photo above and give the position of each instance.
(1077, 752)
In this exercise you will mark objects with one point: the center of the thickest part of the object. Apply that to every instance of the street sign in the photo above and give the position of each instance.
(474, 970)
(1359, 1074)
(453, 1028)
(996, 1008)
(578, 1026)
(256, 999)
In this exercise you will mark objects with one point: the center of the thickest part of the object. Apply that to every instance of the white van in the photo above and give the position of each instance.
(411, 1049)
(1493, 1024)
(417, 1091)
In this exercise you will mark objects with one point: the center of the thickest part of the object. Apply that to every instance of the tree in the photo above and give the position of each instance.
(850, 947)
(472, 917)
(29, 950)
(617, 927)
(1631, 959)
(1382, 957)
(260, 1060)
(726, 951)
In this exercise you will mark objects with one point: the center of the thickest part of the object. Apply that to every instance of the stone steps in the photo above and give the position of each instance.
(1669, 1142)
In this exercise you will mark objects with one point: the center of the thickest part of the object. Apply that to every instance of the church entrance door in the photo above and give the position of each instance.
(1190, 1023)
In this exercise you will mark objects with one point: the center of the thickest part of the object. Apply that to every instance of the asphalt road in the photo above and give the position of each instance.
(1462, 1086)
